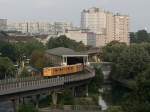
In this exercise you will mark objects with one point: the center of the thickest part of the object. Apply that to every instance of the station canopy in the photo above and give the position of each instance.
(61, 51)
(69, 56)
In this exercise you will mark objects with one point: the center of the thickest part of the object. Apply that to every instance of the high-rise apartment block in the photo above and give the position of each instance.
(94, 19)
(106, 25)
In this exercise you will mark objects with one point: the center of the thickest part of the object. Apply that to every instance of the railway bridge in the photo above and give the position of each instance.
(17, 89)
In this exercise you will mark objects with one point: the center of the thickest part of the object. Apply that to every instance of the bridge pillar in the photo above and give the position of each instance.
(54, 98)
(87, 90)
(15, 103)
(36, 101)
(73, 91)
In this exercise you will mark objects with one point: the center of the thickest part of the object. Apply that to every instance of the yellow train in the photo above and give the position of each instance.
(62, 70)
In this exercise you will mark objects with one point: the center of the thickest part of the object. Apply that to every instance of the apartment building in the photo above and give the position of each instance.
(32, 27)
(40, 27)
(61, 27)
(94, 19)
(121, 27)
(107, 26)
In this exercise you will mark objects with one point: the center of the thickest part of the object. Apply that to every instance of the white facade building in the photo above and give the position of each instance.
(31, 27)
(61, 27)
(94, 19)
(87, 38)
(40, 27)
(121, 28)
(107, 26)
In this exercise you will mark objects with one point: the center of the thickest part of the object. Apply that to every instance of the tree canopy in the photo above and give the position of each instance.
(7, 68)
(139, 36)
(63, 41)
(130, 64)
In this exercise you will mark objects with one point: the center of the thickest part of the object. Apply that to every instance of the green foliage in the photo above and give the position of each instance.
(114, 109)
(132, 61)
(139, 37)
(67, 97)
(27, 108)
(128, 60)
(130, 64)
(16, 51)
(139, 99)
(45, 102)
(8, 50)
(112, 51)
(6, 68)
(25, 73)
(63, 41)
(97, 81)
(32, 46)
(38, 59)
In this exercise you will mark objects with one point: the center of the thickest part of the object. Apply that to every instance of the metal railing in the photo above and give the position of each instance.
(10, 86)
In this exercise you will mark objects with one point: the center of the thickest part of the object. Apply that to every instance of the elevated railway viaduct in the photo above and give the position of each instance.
(17, 89)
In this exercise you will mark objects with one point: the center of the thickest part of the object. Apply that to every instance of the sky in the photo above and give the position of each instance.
(70, 10)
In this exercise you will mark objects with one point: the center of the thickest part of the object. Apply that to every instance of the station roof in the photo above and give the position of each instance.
(61, 51)
(94, 51)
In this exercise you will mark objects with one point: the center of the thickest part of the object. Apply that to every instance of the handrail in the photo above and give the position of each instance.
(34, 83)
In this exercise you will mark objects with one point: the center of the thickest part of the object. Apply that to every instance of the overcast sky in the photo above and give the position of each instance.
(69, 10)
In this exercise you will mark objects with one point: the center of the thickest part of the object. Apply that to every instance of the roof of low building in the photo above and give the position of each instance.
(62, 51)
(93, 51)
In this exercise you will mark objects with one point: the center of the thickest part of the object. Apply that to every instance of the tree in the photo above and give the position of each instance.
(33, 45)
(146, 46)
(112, 51)
(27, 108)
(8, 50)
(16, 51)
(63, 41)
(114, 109)
(97, 81)
(139, 36)
(67, 97)
(142, 36)
(25, 73)
(133, 38)
(38, 59)
(132, 61)
(139, 99)
(7, 68)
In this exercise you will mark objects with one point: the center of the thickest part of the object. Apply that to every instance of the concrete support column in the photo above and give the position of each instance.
(21, 101)
(73, 91)
(15, 103)
(54, 98)
(87, 90)
(36, 101)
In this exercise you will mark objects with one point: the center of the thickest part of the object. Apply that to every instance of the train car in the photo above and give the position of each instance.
(62, 70)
